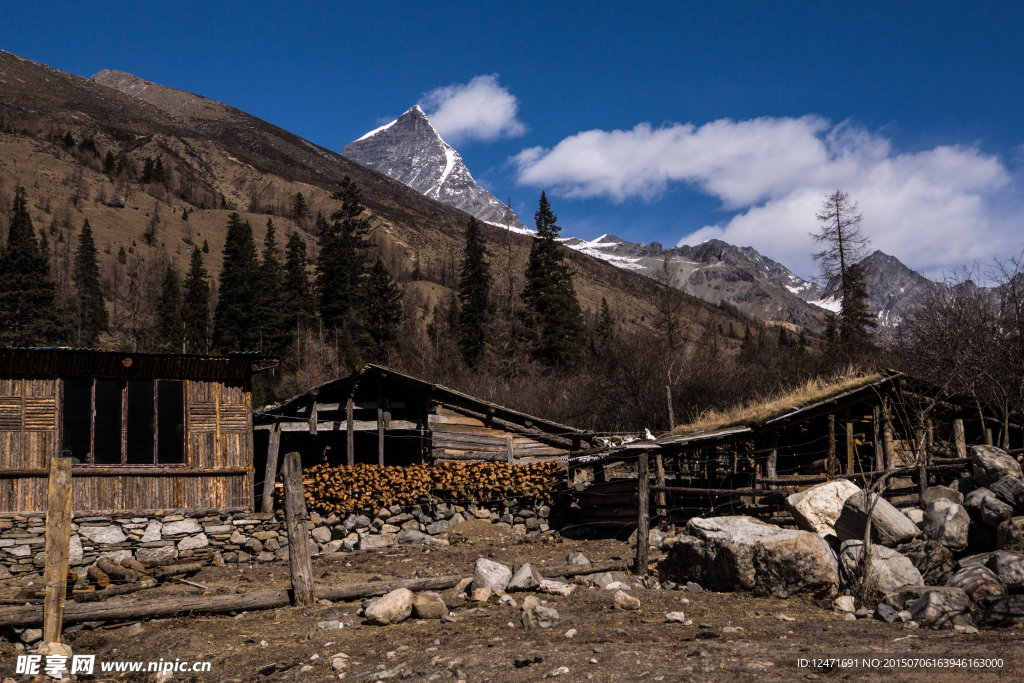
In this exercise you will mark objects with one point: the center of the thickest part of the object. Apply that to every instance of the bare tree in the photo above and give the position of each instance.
(844, 243)
(670, 304)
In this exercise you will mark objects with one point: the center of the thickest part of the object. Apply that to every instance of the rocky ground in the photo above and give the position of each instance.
(730, 636)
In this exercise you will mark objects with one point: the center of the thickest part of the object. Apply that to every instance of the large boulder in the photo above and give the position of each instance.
(933, 560)
(1010, 490)
(978, 581)
(903, 598)
(942, 607)
(946, 522)
(392, 608)
(933, 493)
(984, 506)
(525, 579)
(1010, 534)
(742, 553)
(888, 570)
(818, 508)
(1009, 567)
(491, 574)
(992, 464)
(889, 526)
(429, 605)
(1006, 609)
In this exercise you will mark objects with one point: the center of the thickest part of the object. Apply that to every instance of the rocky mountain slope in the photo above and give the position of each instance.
(220, 159)
(409, 150)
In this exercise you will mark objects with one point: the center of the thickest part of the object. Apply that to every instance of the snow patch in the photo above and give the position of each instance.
(377, 130)
(833, 305)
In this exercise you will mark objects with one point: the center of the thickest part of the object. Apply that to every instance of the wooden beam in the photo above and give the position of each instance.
(830, 458)
(887, 440)
(851, 447)
(380, 424)
(508, 448)
(155, 471)
(312, 412)
(301, 569)
(876, 426)
(350, 443)
(58, 549)
(643, 520)
(328, 426)
(531, 432)
(270, 472)
(659, 473)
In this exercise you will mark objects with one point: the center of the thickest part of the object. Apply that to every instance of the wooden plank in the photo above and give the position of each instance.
(380, 424)
(453, 418)
(350, 442)
(155, 471)
(300, 566)
(324, 426)
(509, 452)
(830, 458)
(850, 448)
(887, 441)
(58, 539)
(513, 427)
(876, 426)
(312, 413)
(643, 494)
(659, 473)
(270, 472)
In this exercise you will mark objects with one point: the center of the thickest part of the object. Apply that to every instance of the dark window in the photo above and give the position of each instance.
(124, 422)
(170, 407)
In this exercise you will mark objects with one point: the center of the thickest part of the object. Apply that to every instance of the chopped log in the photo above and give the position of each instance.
(168, 571)
(97, 596)
(118, 574)
(98, 577)
(132, 563)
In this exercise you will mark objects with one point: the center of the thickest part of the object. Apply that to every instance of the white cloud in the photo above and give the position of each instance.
(932, 209)
(479, 110)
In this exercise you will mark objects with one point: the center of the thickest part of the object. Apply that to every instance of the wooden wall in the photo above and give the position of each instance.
(458, 437)
(218, 470)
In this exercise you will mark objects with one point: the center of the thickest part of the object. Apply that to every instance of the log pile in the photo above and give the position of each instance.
(342, 489)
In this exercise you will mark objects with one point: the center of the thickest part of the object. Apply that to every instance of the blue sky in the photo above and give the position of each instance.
(657, 121)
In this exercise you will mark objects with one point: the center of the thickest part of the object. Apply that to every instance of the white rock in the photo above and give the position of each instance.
(675, 617)
(844, 603)
(625, 601)
(75, 551)
(526, 578)
(392, 608)
(153, 532)
(617, 586)
(181, 527)
(556, 587)
(193, 542)
(492, 574)
(102, 535)
(818, 508)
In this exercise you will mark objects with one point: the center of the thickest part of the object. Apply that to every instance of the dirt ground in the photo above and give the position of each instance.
(488, 643)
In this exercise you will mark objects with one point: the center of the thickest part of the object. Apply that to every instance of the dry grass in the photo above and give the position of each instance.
(810, 392)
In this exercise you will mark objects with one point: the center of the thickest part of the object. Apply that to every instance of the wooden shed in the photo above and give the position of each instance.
(144, 431)
(378, 415)
(748, 459)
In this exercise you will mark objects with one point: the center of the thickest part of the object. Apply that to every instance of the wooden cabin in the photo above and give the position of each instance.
(747, 460)
(379, 416)
(144, 431)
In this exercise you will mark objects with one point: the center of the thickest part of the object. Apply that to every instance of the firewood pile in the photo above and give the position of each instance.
(342, 489)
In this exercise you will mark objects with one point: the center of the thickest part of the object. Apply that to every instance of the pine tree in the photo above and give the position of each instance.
(122, 256)
(108, 163)
(382, 313)
(340, 266)
(474, 296)
(557, 320)
(69, 140)
(92, 313)
(235, 326)
(195, 308)
(605, 324)
(158, 170)
(299, 209)
(206, 247)
(298, 304)
(856, 318)
(269, 296)
(147, 171)
(29, 315)
(171, 330)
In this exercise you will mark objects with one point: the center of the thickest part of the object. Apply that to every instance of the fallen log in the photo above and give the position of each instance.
(178, 570)
(98, 577)
(116, 573)
(98, 596)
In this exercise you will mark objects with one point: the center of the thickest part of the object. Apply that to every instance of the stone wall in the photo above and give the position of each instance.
(241, 536)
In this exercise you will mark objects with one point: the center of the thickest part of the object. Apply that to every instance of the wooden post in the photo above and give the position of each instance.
(887, 445)
(58, 542)
(508, 447)
(922, 471)
(988, 436)
(830, 458)
(270, 473)
(380, 425)
(312, 412)
(671, 413)
(772, 462)
(643, 498)
(659, 473)
(350, 433)
(851, 447)
(298, 542)
(959, 440)
(876, 425)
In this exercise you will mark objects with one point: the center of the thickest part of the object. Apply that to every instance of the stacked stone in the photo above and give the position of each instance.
(244, 536)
